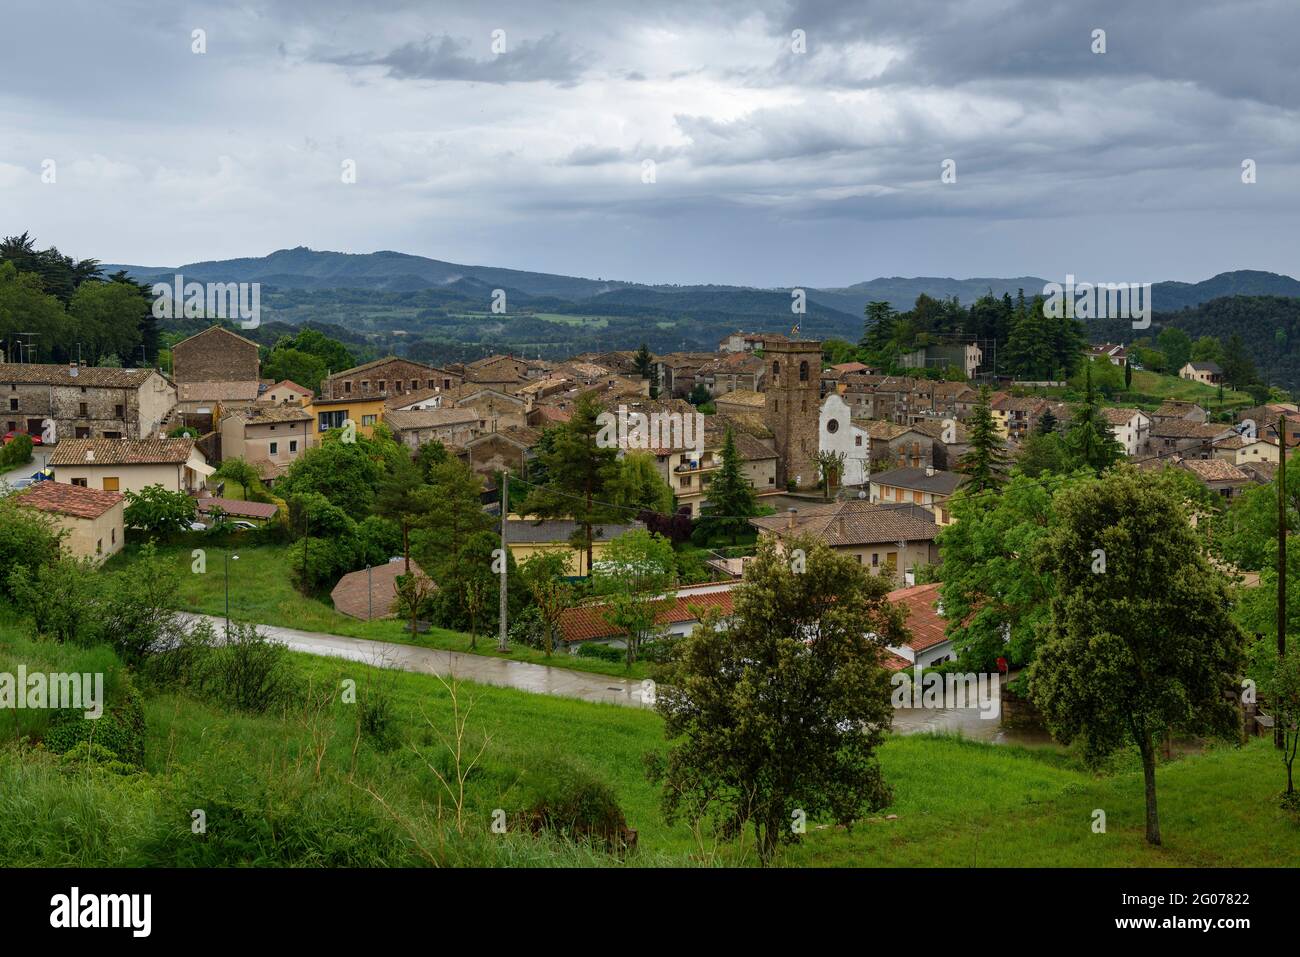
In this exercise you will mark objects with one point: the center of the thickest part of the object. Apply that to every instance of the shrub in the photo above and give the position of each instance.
(16, 453)
(248, 671)
(119, 730)
(527, 628)
(569, 801)
(590, 649)
(377, 712)
(27, 538)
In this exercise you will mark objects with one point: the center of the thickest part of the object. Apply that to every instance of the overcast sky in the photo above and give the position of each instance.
(771, 167)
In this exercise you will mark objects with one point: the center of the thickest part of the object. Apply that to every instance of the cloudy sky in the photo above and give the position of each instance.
(771, 166)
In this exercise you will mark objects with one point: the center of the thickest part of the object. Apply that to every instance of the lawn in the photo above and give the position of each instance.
(304, 788)
(1155, 388)
(261, 591)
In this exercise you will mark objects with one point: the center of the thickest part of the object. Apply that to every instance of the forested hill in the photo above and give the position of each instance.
(309, 269)
(1268, 326)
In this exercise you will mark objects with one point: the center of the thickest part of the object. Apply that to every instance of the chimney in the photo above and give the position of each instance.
(72, 369)
(789, 521)
(839, 526)
(929, 470)
(90, 455)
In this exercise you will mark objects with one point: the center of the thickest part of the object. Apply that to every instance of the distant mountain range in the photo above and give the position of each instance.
(393, 272)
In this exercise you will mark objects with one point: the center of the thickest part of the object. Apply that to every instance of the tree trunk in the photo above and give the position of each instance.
(1149, 776)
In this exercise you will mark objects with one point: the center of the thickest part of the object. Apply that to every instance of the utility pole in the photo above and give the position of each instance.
(502, 644)
(1279, 737)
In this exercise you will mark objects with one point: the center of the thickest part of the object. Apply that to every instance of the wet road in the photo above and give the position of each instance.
(501, 672)
(585, 686)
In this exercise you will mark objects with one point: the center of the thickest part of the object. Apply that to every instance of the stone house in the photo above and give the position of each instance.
(416, 427)
(284, 391)
(497, 370)
(91, 517)
(85, 403)
(892, 538)
(736, 370)
(388, 377)
(495, 409)
(509, 449)
(215, 355)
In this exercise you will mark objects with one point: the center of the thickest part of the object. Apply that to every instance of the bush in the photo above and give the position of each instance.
(120, 730)
(569, 801)
(377, 712)
(659, 651)
(527, 628)
(249, 672)
(590, 649)
(27, 538)
(16, 453)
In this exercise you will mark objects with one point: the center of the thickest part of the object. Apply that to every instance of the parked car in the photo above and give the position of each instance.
(198, 527)
(10, 436)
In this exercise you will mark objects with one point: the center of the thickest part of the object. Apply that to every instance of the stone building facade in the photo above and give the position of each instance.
(82, 402)
(388, 377)
(793, 407)
(215, 355)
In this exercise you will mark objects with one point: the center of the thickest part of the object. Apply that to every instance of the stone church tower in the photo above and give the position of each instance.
(792, 410)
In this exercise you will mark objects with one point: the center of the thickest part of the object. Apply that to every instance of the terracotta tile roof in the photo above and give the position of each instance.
(855, 522)
(879, 429)
(743, 397)
(586, 622)
(376, 363)
(237, 508)
(750, 423)
(246, 390)
(357, 593)
(64, 499)
(33, 373)
(291, 386)
(264, 413)
(924, 622)
(411, 398)
(553, 415)
(121, 451)
(1018, 403)
(1121, 416)
(1215, 470)
(1185, 429)
(429, 418)
(1175, 408)
(935, 429)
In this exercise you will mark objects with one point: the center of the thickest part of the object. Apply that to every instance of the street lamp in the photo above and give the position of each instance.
(227, 567)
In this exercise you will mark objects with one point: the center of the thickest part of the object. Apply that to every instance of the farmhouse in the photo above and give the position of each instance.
(83, 403)
(91, 517)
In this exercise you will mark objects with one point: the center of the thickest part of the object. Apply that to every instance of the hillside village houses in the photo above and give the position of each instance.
(84, 403)
(900, 437)
(91, 517)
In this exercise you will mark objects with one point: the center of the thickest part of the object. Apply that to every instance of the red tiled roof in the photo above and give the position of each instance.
(586, 621)
(64, 499)
(237, 508)
(923, 620)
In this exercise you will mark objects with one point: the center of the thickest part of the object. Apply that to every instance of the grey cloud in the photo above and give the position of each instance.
(548, 59)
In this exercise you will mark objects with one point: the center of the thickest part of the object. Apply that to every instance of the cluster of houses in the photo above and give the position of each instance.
(898, 439)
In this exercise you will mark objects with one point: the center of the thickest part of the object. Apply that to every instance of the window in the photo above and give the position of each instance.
(275, 448)
(81, 409)
(82, 432)
(369, 419)
(771, 480)
(80, 483)
(293, 446)
(331, 420)
(776, 405)
(13, 405)
(803, 371)
(833, 426)
(857, 440)
(347, 386)
(446, 383)
(99, 546)
(119, 412)
(365, 385)
(112, 535)
(110, 483)
(684, 481)
(112, 435)
(415, 384)
(875, 559)
(776, 368)
(383, 385)
(11, 426)
(916, 498)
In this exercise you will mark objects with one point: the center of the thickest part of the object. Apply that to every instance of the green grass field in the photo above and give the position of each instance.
(1156, 388)
(261, 592)
(304, 788)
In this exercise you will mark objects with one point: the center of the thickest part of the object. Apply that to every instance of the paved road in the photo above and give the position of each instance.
(522, 675)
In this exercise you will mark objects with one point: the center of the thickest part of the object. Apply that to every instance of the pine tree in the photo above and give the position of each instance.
(578, 467)
(731, 496)
(1090, 439)
(878, 329)
(1047, 422)
(645, 368)
(985, 460)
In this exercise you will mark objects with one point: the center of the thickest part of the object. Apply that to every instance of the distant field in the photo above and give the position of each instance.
(593, 322)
